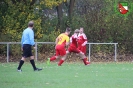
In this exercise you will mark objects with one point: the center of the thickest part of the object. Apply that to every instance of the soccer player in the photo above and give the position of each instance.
(61, 42)
(82, 40)
(27, 41)
(74, 48)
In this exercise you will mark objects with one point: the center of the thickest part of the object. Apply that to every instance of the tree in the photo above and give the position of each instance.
(70, 10)
(60, 15)
(14, 21)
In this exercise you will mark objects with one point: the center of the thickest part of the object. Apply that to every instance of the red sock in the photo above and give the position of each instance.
(60, 62)
(84, 60)
(52, 58)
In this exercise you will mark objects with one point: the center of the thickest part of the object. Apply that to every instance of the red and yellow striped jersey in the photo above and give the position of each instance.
(63, 39)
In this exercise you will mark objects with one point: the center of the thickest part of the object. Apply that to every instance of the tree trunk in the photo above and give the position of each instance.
(60, 15)
(70, 11)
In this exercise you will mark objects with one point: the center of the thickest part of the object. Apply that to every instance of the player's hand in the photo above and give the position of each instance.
(55, 47)
(83, 44)
(34, 47)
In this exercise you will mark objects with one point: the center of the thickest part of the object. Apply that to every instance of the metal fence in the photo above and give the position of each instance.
(8, 44)
(115, 49)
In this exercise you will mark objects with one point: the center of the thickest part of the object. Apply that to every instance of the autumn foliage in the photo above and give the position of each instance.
(100, 18)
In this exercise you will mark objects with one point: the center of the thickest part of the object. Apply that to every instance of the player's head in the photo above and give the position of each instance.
(68, 30)
(81, 30)
(31, 24)
(76, 31)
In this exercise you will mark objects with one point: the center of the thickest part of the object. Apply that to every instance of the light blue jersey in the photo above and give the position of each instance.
(28, 37)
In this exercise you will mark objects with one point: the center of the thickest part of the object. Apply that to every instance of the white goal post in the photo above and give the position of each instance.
(115, 49)
(36, 53)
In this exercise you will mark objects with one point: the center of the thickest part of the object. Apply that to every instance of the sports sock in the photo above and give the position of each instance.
(33, 64)
(84, 60)
(60, 62)
(52, 58)
(20, 64)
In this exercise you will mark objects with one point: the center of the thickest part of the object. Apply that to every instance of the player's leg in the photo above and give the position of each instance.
(24, 56)
(82, 54)
(29, 54)
(20, 64)
(56, 56)
(63, 54)
(83, 49)
(52, 59)
(79, 49)
(62, 60)
(33, 63)
(84, 58)
(79, 53)
(68, 51)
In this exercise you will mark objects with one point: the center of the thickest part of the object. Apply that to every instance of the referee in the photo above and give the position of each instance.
(27, 41)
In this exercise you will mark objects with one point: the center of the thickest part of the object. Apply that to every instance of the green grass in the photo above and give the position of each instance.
(70, 75)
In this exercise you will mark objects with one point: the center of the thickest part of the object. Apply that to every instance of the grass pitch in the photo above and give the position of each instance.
(69, 75)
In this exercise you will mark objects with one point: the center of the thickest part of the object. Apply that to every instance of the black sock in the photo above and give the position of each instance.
(33, 64)
(20, 64)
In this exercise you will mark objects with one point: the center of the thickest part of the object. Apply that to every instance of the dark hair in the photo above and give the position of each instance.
(30, 24)
(68, 29)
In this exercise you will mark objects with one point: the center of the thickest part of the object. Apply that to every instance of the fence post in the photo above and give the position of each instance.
(36, 51)
(7, 52)
(89, 51)
(115, 51)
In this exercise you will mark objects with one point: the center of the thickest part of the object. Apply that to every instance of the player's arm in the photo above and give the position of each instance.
(57, 40)
(85, 40)
(67, 42)
(70, 39)
(67, 45)
(31, 35)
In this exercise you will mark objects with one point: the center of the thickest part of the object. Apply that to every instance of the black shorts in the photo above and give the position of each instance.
(27, 51)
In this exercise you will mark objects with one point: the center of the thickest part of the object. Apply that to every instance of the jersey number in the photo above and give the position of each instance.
(60, 38)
